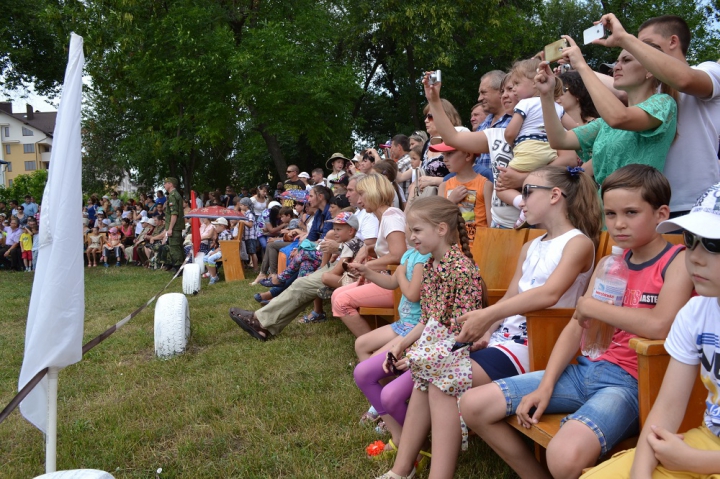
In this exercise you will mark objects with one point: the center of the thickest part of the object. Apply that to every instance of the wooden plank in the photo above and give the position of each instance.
(652, 363)
(543, 329)
(232, 262)
(496, 253)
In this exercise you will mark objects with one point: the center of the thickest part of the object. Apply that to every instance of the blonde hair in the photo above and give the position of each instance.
(377, 191)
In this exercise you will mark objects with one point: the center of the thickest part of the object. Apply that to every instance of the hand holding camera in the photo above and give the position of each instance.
(432, 83)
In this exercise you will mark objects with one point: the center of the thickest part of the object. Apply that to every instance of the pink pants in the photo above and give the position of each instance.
(346, 300)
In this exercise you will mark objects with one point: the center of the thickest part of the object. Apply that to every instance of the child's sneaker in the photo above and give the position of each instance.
(117, 265)
(106, 265)
(214, 279)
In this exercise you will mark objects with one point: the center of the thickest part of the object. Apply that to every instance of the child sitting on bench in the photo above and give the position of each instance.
(600, 394)
(693, 341)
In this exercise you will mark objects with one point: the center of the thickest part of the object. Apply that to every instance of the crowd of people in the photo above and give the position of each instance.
(569, 151)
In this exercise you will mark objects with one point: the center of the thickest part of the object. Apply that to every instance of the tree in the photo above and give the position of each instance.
(32, 184)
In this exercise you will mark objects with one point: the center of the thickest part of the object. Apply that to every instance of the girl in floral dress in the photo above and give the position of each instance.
(451, 286)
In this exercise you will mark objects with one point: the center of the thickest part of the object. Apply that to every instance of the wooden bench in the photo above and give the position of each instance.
(544, 327)
(377, 317)
(231, 259)
(495, 251)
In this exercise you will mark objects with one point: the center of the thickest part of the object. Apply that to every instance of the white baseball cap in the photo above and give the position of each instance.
(703, 219)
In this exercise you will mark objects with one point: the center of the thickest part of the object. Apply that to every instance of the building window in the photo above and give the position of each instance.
(9, 166)
(7, 149)
(27, 132)
(29, 148)
(10, 183)
(29, 166)
(6, 130)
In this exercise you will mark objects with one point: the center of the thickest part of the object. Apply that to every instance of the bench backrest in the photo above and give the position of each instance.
(496, 252)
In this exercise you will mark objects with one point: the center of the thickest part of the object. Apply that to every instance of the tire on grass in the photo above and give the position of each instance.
(77, 474)
(191, 279)
(199, 261)
(172, 325)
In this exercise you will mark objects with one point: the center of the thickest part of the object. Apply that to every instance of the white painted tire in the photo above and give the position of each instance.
(199, 261)
(77, 474)
(172, 325)
(191, 279)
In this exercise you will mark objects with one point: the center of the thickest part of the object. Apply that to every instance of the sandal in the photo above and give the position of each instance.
(313, 317)
(392, 475)
(260, 300)
(369, 416)
(249, 323)
(424, 461)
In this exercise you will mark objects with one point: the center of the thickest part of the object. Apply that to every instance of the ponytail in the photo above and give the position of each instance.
(583, 204)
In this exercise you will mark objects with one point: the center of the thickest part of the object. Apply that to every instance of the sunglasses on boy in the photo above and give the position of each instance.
(527, 189)
(712, 246)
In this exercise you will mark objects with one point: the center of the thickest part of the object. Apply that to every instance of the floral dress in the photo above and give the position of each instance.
(447, 292)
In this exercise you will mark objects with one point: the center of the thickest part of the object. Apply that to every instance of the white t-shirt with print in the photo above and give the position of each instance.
(500, 155)
(691, 166)
(695, 339)
(393, 219)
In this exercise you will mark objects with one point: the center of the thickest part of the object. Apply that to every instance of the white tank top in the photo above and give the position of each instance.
(541, 260)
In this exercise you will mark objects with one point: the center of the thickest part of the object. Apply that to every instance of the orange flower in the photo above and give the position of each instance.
(375, 449)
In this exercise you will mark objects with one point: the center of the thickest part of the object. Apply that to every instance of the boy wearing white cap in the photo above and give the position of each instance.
(210, 259)
(694, 340)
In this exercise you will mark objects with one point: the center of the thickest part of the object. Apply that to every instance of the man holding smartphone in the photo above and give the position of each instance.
(661, 46)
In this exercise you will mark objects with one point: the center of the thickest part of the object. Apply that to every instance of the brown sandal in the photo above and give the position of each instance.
(249, 323)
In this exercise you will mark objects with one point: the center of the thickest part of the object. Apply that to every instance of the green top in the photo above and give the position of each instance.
(610, 148)
(174, 205)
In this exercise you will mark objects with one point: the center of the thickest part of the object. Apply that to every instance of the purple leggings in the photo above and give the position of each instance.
(389, 399)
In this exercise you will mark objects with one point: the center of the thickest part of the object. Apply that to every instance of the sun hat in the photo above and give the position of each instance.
(220, 221)
(336, 156)
(386, 145)
(703, 219)
(113, 230)
(304, 174)
(246, 201)
(346, 218)
(272, 204)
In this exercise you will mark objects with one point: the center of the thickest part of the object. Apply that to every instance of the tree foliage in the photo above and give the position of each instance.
(228, 92)
(32, 184)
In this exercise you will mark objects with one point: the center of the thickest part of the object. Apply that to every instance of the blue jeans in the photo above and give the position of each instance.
(602, 395)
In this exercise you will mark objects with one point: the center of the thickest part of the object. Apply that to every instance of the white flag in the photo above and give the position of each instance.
(54, 333)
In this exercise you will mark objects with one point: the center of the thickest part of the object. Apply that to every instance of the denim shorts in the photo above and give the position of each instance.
(402, 328)
(602, 395)
(251, 246)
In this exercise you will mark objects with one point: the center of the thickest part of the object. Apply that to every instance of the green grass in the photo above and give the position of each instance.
(231, 406)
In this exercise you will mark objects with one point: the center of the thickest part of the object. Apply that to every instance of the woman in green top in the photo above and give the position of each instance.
(638, 133)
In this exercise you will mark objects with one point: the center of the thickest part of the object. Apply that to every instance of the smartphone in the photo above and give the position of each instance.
(457, 346)
(595, 32)
(392, 360)
(553, 51)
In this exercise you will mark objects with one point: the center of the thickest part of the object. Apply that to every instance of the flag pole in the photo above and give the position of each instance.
(51, 436)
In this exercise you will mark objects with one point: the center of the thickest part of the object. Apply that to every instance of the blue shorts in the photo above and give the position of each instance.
(602, 395)
(495, 363)
(402, 328)
(251, 246)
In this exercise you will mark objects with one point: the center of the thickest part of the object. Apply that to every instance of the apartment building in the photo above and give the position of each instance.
(26, 141)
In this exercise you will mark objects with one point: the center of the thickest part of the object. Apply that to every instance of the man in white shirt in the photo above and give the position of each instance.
(661, 46)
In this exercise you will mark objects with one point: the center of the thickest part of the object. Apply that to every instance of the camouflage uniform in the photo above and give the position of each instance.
(174, 207)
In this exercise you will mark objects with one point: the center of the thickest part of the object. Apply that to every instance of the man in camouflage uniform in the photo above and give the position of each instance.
(175, 221)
